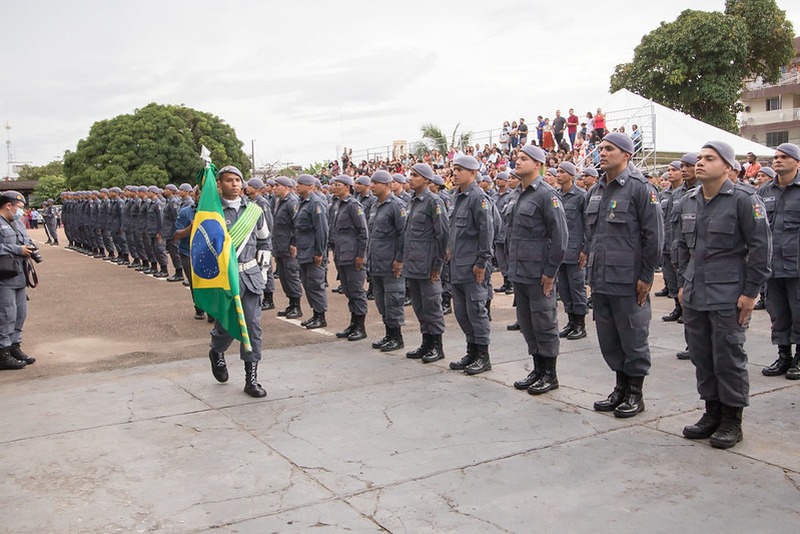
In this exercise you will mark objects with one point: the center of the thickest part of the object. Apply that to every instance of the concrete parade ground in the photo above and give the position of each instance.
(120, 427)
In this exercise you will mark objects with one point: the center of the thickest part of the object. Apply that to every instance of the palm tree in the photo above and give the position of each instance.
(433, 138)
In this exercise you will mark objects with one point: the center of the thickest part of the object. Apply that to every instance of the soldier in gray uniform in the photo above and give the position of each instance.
(50, 222)
(364, 194)
(398, 188)
(104, 222)
(424, 250)
(624, 239)
(169, 215)
(310, 248)
(115, 218)
(671, 220)
(571, 277)
(781, 197)
(470, 252)
(95, 230)
(251, 285)
(386, 228)
(282, 241)
(140, 225)
(132, 204)
(501, 200)
(349, 255)
(688, 162)
(537, 241)
(724, 252)
(153, 236)
(253, 191)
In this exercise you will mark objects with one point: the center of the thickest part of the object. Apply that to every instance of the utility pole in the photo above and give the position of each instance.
(253, 156)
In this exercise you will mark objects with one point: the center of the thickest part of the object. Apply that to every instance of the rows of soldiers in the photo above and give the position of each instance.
(407, 238)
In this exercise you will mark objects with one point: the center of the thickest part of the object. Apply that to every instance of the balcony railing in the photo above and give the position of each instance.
(769, 117)
(787, 78)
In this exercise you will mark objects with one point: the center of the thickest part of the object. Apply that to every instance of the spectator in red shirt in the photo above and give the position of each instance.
(572, 126)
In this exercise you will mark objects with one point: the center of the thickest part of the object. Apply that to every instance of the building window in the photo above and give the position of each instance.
(776, 138)
(773, 103)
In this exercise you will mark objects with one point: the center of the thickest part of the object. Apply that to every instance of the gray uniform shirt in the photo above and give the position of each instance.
(310, 229)
(783, 213)
(574, 202)
(426, 236)
(387, 221)
(471, 233)
(283, 225)
(350, 228)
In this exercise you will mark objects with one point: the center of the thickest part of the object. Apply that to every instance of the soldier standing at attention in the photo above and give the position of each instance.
(386, 227)
(254, 191)
(470, 252)
(724, 252)
(501, 200)
(424, 250)
(349, 255)
(282, 241)
(50, 223)
(537, 240)
(671, 224)
(624, 239)
(310, 248)
(169, 215)
(115, 225)
(781, 197)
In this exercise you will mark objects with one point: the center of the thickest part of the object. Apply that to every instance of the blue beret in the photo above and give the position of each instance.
(400, 178)
(502, 176)
(676, 164)
(185, 187)
(724, 150)
(231, 169)
(364, 180)
(790, 149)
(690, 158)
(621, 141)
(381, 177)
(535, 153)
(568, 167)
(590, 171)
(769, 171)
(255, 183)
(283, 180)
(343, 178)
(171, 187)
(154, 189)
(306, 179)
(424, 170)
(466, 162)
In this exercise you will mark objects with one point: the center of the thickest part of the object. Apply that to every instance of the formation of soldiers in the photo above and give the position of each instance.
(408, 239)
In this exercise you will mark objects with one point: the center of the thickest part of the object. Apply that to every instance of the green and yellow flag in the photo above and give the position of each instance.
(215, 271)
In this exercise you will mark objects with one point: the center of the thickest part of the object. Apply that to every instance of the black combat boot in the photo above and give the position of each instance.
(510, 288)
(548, 379)
(382, 341)
(567, 330)
(7, 361)
(395, 340)
(199, 314)
(425, 346)
(447, 304)
(533, 376)
(729, 432)
(359, 332)
(514, 327)
(793, 373)
(675, 314)
(782, 364)
(468, 358)
(163, 273)
(294, 311)
(349, 330)
(616, 397)
(482, 362)
(634, 400)
(502, 289)
(136, 263)
(267, 303)
(177, 277)
(317, 321)
(683, 355)
(436, 351)
(16, 352)
(663, 293)
(708, 423)
(251, 385)
(579, 328)
(218, 367)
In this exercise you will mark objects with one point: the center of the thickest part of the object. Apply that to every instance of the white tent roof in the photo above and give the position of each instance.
(674, 131)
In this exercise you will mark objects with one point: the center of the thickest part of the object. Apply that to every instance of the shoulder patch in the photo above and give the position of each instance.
(555, 201)
(758, 211)
(402, 212)
(359, 211)
(437, 210)
(319, 209)
(484, 204)
(653, 197)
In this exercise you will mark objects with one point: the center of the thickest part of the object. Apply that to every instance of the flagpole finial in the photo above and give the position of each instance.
(205, 155)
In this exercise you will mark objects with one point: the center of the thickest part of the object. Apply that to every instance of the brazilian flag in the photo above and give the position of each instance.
(215, 271)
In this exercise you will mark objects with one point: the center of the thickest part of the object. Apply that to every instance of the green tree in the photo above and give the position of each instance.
(49, 186)
(769, 36)
(154, 145)
(434, 138)
(697, 63)
(31, 172)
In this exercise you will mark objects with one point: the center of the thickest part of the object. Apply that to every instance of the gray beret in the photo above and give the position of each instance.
(535, 153)
(465, 162)
(317, 183)
(502, 176)
(568, 167)
(112, 190)
(590, 171)
(381, 177)
(438, 180)
(306, 179)
(487, 178)
(621, 141)
(665, 176)
(185, 187)
(343, 178)
(255, 183)
(676, 164)
(690, 158)
(153, 189)
(170, 187)
(552, 171)
(724, 150)
(231, 169)
(364, 180)
(104, 190)
(283, 180)
(142, 189)
(130, 188)
(270, 182)
(95, 192)
(400, 178)
(769, 171)
(790, 149)
(424, 170)
(736, 165)
(50, 199)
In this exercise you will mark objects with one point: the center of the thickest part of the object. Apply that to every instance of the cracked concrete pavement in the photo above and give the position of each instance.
(119, 426)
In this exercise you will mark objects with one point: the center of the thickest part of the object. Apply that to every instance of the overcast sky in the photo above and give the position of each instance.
(304, 78)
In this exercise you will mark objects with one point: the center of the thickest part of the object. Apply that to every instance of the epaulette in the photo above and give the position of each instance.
(747, 188)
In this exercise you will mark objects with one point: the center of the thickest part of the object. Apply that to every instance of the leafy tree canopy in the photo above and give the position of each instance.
(29, 172)
(49, 186)
(155, 145)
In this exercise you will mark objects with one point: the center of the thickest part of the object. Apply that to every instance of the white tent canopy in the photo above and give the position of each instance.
(674, 131)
